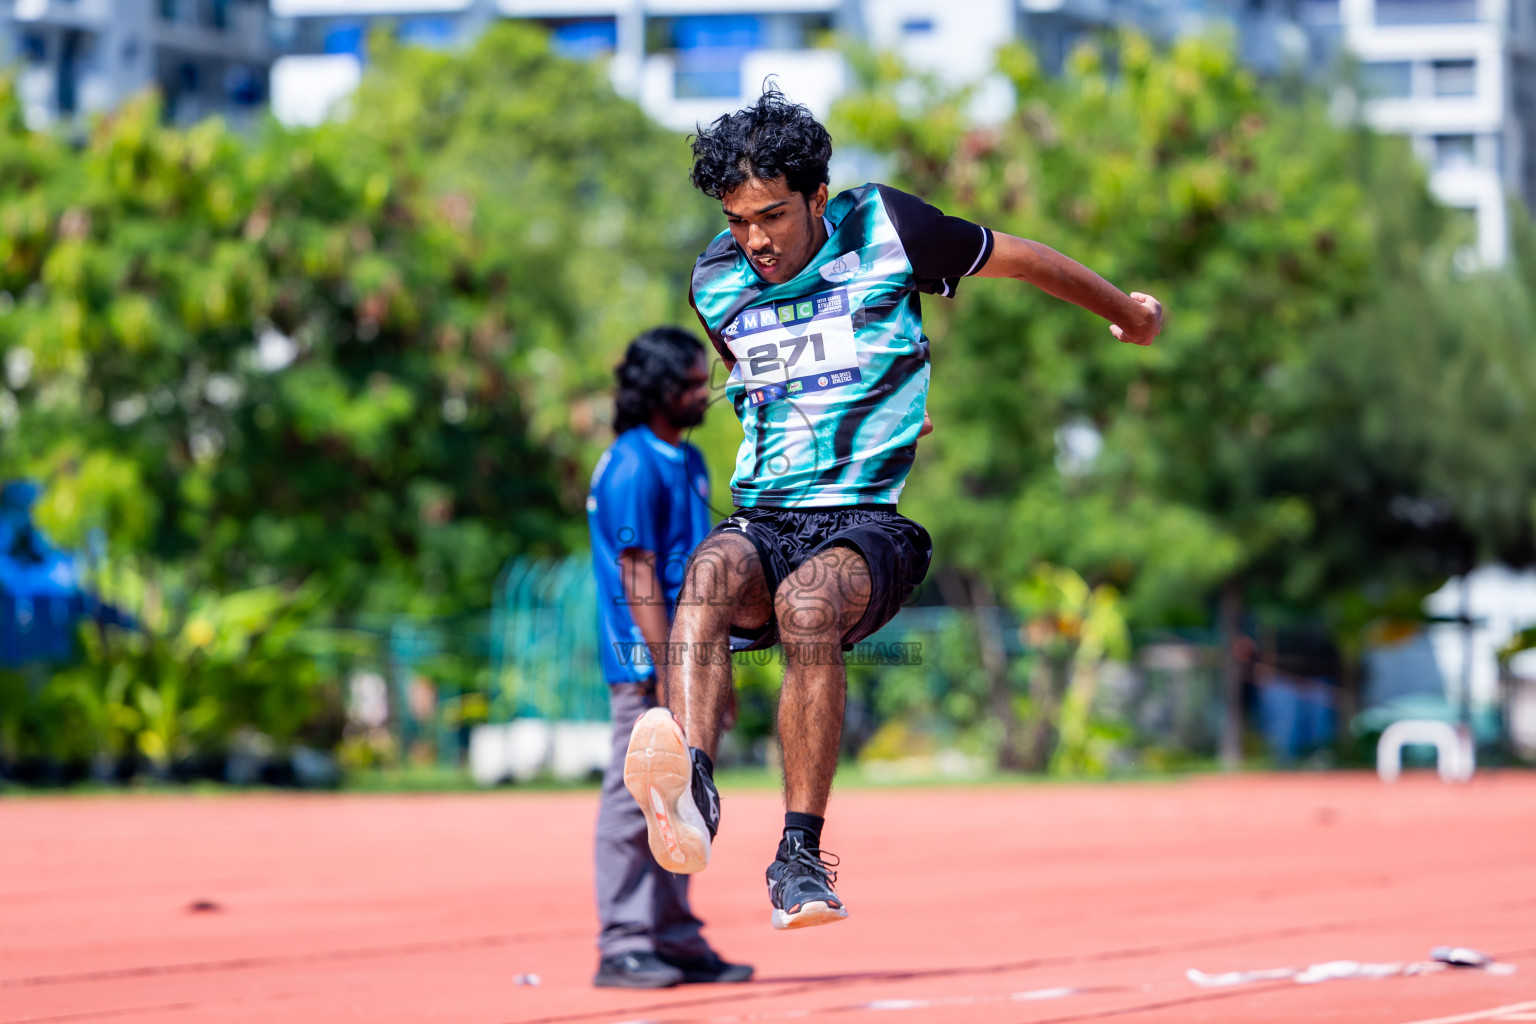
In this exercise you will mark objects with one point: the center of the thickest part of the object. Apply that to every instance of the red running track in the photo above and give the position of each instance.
(1010, 904)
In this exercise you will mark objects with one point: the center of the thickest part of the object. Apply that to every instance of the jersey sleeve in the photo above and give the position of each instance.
(629, 503)
(709, 332)
(940, 248)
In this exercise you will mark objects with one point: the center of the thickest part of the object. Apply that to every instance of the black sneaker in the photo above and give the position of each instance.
(636, 970)
(800, 884)
(705, 796)
(678, 799)
(708, 969)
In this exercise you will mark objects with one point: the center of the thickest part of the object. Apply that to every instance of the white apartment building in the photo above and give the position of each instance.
(75, 57)
(1459, 78)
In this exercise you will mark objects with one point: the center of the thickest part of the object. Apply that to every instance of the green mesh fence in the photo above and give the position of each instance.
(543, 635)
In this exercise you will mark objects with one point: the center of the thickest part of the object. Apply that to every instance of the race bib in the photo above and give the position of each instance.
(794, 348)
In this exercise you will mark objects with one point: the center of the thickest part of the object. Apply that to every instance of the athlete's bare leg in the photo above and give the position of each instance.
(816, 607)
(724, 586)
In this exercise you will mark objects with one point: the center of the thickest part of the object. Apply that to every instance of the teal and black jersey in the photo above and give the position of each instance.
(829, 370)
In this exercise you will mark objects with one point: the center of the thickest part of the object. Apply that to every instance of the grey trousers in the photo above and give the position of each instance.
(641, 908)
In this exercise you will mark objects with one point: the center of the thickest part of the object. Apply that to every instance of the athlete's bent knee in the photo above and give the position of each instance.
(722, 568)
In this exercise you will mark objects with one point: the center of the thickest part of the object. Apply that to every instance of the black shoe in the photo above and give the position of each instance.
(709, 969)
(705, 796)
(636, 970)
(800, 884)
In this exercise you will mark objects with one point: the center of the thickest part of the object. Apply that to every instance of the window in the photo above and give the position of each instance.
(34, 48)
(71, 50)
(433, 33)
(1319, 12)
(709, 49)
(708, 74)
(717, 32)
(1455, 151)
(1425, 12)
(1455, 77)
(584, 40)
(343, 37)
(1387, 79)
(244, 86)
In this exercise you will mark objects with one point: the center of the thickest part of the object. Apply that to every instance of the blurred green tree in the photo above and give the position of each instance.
(372, 357)
(373, 353)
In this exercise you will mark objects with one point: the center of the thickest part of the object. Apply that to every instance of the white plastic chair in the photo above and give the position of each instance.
(1455, 757)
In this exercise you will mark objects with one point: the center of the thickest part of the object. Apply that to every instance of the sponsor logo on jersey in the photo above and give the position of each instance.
(843, 268)
(795, 386)
(821, 381)
(773, 317)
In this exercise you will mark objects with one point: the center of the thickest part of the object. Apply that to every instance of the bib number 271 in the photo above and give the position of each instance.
(766, 358)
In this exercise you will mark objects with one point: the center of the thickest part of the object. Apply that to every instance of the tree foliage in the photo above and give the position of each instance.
(370, 353)
(313, 377)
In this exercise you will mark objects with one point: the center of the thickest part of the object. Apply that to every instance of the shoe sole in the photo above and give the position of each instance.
(734, 977)
(809, 915)
(658, 773)
(610, 981)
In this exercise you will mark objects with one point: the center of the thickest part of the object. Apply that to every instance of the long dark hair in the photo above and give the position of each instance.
(653, 371)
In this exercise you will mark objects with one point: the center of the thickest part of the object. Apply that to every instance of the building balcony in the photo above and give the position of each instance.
(235, 31)
(1438, 115)
(1097, 12)
(82, 14)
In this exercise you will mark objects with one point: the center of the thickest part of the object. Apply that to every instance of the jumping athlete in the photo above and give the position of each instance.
(813, 306)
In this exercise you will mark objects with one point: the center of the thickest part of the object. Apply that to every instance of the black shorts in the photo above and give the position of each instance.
(896, 549)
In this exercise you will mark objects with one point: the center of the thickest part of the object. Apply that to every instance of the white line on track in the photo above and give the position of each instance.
(1497, 1013)
(898, 1004)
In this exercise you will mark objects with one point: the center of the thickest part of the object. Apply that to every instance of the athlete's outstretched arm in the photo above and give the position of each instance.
(1135, 318)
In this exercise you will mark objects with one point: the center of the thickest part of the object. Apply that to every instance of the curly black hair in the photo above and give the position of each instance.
(773, 138)
(655, 365)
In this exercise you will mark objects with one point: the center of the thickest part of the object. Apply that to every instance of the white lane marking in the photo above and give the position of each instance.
(902, 1004)
(1497, 1013)
(1043, 993)
(923, 1004)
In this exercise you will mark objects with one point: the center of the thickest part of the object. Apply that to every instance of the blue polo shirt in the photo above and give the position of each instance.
(649, 495)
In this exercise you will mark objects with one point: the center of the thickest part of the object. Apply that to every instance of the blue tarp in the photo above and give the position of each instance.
(42, 595)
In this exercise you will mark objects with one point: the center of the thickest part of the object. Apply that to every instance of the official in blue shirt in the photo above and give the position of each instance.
(647, 509)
